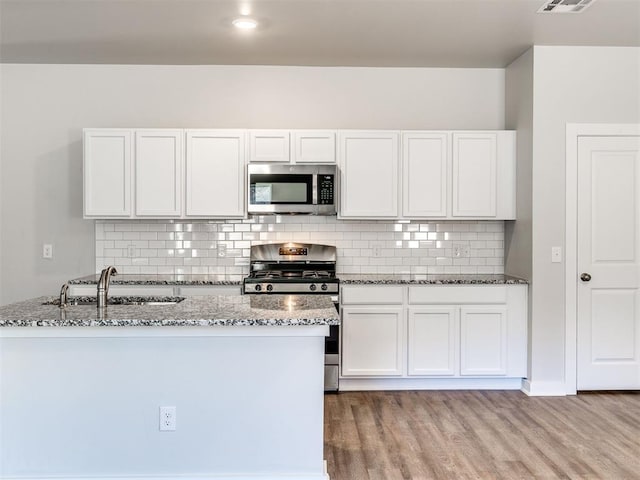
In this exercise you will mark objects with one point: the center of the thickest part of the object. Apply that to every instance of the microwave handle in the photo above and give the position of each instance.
(314, 189)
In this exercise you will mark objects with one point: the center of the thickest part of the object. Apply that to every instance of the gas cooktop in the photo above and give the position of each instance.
(292, 268)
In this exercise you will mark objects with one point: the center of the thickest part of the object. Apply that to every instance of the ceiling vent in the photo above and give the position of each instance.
(565, 6)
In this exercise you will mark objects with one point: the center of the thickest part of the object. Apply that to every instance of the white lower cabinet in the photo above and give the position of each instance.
(432, 341)
(372, 341)
(459, 332)
(483, 340)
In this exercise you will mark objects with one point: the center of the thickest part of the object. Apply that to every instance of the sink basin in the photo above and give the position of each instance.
(151, 301)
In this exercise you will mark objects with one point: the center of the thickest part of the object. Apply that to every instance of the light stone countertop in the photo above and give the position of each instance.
(130, 279)
(213, 310)
(415, 279)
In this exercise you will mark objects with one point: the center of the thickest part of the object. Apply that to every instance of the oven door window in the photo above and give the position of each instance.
(268, 189)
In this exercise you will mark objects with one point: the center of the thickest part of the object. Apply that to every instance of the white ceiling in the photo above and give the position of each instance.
(409, 33)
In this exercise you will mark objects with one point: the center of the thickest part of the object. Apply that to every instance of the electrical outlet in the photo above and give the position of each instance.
(222, 250)
(461, 250)
(377, 251)
(167, 419)
(131, 250)
(47, 251)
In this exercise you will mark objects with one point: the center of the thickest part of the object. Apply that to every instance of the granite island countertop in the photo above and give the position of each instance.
(151, 279)
(213, 310)
(416, 279)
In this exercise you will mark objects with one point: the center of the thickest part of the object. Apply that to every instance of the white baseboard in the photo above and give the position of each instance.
(544, 389)
(362, 384)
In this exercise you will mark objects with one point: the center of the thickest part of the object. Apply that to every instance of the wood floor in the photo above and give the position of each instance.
(481, 435)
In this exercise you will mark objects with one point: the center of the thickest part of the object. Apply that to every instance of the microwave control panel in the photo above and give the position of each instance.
(325, 189)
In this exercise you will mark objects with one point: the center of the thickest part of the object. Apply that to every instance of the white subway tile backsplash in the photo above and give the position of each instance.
(190, 247)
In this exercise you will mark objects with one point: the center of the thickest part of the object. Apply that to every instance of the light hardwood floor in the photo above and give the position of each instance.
(481, 435)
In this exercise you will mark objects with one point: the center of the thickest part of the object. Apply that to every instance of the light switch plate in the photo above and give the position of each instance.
(556, 254)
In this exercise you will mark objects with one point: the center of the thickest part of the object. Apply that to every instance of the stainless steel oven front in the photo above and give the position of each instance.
(281, 188)
(300, 269)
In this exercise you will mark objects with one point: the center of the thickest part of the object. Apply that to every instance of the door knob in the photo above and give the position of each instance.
(585, 277)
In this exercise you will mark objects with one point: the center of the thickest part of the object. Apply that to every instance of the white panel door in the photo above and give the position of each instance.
(372, 340)
(313, 146)
(475, 165)
(269, 145)
(432, 341)
(608, 263)
(425, 164)
(107, 172)
(215, 173)
(369, 174)
(158, 172)
(483, 340)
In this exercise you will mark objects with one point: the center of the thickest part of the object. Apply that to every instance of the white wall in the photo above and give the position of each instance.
(519, 117)
(45, 107)
(570, 85)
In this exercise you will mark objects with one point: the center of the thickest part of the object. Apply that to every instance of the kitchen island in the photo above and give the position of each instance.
(80, 391)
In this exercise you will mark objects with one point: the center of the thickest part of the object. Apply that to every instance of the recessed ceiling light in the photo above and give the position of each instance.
(245, 23)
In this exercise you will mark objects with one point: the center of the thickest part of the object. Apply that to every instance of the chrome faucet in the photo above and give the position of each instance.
(64, 295)
(103, 285)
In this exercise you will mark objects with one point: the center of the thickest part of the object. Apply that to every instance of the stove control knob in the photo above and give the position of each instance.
(258, 288)
(312, 287)
(324, 286)
(269, 288)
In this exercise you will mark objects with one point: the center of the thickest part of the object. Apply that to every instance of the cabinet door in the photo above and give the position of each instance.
(269, 145)
(313, 146)
(483, 340)
(372, 340)
(158, 167)
(425, 165)
(432, 341)
(475, 160)
(107, 173)
(369, 174)
(215, 173)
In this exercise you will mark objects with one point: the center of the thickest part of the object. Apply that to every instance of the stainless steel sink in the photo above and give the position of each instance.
(151, 301)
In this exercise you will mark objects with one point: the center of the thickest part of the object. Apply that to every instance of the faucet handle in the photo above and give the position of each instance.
(64, 291)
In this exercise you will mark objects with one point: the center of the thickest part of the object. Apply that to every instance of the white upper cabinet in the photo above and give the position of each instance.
(269, 145)
(215, 173)
(425, 172)
(313, 146)
(107, 172)
(444, 175)
(483, 175)
(159, 156)
(369, 174)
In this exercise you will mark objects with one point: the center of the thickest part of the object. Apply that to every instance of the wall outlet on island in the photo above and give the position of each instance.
(167, 419)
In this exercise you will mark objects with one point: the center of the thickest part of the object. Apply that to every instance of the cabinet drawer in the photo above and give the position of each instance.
(457, 294)
(372, 295)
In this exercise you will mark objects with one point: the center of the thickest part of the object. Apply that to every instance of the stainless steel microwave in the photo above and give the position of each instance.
(292, 189)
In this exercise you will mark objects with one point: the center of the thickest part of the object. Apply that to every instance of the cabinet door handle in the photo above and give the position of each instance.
(585, 277)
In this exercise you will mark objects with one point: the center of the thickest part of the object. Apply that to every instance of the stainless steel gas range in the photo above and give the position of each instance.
(299, 269)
